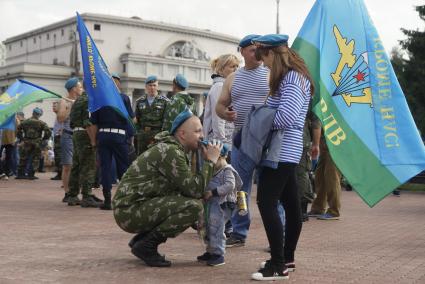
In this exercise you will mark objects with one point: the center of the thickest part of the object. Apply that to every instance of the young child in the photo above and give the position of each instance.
(220, 198)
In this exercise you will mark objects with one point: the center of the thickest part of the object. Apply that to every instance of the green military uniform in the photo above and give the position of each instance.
(158, 193)
(304, 167)
(178, 103)
(30, 131)
(149, 120)
(83, 169)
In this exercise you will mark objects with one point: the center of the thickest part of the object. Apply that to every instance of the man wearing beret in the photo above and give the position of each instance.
(150, 110)
(180, 101)
(31, 132)
(83, 169)
(159, 197)
(246, 87)
(75, 89)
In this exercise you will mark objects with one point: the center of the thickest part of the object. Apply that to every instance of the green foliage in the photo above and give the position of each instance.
(411, 71)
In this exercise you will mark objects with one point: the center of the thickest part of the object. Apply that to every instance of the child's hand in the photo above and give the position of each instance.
(207, 195)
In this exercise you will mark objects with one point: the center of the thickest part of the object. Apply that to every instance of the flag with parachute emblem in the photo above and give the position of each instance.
(18, 95)
(367, 123)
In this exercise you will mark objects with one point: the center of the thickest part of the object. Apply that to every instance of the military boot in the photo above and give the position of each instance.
(89, 201)
(136, 238)
(147, 250)
(31, 176)
(20, 175)
(107, 203)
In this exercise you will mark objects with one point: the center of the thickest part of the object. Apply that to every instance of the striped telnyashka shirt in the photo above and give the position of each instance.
(250, 87)
(292, 102)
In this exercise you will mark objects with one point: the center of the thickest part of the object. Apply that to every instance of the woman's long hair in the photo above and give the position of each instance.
(285, 59)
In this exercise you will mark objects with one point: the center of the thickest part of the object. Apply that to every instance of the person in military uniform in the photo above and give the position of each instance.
(112, 129)
(159, 197)
(130, 131)
(179, 102)
(311, 139)
(83, 170)
(150, 111)
(31, 132)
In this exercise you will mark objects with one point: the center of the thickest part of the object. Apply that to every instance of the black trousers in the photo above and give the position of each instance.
(280, 185)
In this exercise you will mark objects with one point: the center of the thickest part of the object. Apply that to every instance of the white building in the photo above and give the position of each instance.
(131, 47)
(2, 54)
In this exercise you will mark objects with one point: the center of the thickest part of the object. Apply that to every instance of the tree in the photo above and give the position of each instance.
(411, 71)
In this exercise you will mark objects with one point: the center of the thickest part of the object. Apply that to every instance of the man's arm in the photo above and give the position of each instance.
(225, 100)
(92, 131)
(316, 132)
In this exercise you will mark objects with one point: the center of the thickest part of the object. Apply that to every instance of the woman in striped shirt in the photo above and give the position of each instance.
(291, 87)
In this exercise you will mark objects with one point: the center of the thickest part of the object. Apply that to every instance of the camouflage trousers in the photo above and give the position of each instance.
(30, 148)
(144, 139)
(83, 171)
(169, 215)
(304, 183)
(57, 151)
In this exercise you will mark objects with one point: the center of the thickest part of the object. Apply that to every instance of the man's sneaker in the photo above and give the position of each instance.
(216, 260)
(328, 216)
(269, 273)
(290, 265)
(205, 257)
(89, 202)
(66, 198)
(73, 201)
(97, 199)
(314, 214)
(234, 242)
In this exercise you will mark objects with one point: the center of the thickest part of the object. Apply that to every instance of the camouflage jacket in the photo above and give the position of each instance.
(79, 115)
(311, 122)
(32, 129)
(150, 115)
(163, 170)
(177, 104)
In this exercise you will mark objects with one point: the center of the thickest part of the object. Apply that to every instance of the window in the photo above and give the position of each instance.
(62, 32)
(97, 27)
(34, 40)
(21, 44)
(123, 68)
(10, 47)
(47, 36)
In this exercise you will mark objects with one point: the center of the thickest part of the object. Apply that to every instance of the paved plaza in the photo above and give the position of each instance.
(45, 241)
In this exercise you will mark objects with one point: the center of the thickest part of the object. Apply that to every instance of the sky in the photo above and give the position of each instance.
(233, 17)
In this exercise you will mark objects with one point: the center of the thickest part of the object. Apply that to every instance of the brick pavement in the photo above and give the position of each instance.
(44, 240)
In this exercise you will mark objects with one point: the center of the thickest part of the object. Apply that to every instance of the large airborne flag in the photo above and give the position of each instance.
(98, 83)
(366, 121)
(18, 95)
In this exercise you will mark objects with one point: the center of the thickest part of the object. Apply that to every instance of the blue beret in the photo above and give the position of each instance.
(271, 40)
(224, 150)
(38, 111)
(247, 40)
(151, 79)
(205, 94)
(116, 76)
(20, 113)
(181, 81)
(180, 119)
(71, 83)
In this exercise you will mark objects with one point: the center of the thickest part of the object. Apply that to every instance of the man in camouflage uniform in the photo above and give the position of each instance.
(150, 111)
(180, 101)
(159, 197)
(31, 132)
(83, 169)
(311, 139)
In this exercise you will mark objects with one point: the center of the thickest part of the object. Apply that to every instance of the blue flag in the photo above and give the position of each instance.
(20, 94)
(98, 83)
(368, 127)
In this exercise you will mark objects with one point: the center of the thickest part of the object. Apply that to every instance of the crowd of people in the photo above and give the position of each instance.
(172, 166)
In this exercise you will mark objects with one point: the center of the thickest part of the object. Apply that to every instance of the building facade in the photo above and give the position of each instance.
(132, 47)
(2, 54)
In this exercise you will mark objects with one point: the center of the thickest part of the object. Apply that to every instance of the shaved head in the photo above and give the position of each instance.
(189, 133)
